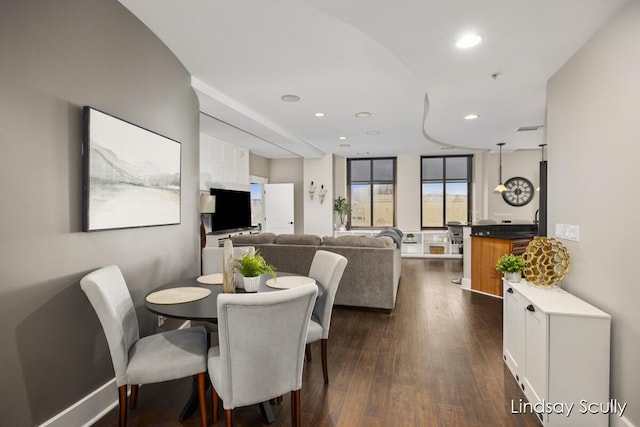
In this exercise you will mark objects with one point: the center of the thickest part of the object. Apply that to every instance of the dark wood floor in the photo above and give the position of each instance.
(435, 361)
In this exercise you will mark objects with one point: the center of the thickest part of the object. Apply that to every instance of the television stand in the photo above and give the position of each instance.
(217, 239)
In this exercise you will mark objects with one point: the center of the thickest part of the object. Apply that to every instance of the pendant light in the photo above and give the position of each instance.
(500, 187)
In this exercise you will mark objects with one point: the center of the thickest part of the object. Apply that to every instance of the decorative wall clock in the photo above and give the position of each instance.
(519, 191)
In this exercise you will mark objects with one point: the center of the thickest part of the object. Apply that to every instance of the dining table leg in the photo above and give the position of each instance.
(267, 412)
(192, 405)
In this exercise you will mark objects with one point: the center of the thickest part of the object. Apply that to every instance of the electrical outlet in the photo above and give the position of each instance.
(161, 320)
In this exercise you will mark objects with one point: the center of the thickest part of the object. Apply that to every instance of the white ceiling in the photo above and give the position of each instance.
(394, 59)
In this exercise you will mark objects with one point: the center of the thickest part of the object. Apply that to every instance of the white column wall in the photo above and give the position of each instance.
(592, 131)
(318, 215)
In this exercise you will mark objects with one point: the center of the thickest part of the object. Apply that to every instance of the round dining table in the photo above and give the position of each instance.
(206, 308)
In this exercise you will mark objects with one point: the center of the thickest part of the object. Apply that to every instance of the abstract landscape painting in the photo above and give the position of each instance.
(131, 176)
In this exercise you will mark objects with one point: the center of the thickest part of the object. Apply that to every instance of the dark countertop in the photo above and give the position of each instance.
(505, 231)
(507, 236)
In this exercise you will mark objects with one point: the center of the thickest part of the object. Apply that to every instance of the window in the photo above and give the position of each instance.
(371, 189)
(446, 190)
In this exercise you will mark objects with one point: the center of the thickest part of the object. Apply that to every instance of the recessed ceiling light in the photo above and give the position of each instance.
(468, 40)
(342, 138)
(471, 116)
(319, 114)
(345, 145)
(363, 114)
(290, 98)
(373, 132)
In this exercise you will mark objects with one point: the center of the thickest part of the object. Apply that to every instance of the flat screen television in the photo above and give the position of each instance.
(233, 210)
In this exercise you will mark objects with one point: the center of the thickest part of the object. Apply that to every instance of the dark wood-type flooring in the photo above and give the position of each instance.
(436, 360)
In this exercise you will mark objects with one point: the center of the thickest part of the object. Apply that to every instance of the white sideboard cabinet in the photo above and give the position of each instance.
(557, 347)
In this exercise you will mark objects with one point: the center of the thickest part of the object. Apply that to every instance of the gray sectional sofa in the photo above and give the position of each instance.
(372, 274)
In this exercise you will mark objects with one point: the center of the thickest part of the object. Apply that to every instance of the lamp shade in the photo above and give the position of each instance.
(207, 204)
(500, 188)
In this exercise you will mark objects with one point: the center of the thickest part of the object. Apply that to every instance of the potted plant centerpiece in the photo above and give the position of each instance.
(511, 265)
(342, 208)
(251, 266)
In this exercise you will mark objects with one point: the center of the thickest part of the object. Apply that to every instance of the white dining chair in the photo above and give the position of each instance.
(156, 358)
(327, 269)
(261, 352)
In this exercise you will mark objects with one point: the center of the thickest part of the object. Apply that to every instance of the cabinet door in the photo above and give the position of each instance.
(513, 331)
(484, 254)
(535, 354)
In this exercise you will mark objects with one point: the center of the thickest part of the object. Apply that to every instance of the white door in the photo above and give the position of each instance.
(278, 208)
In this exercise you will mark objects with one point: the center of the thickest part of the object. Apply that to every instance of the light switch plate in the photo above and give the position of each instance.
(568, 232)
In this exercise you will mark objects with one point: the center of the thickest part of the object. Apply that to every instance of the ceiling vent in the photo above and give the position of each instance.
(529, 128)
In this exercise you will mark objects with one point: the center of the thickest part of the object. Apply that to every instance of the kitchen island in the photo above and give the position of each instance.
(484, 244)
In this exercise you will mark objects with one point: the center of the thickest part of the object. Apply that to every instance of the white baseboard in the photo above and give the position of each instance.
(93, 406)
(617, 421)
(465, 284)
(89, 409)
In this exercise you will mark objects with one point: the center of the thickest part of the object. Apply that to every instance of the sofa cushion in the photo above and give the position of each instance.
(251, 239)
(359, 241)
(298, 239)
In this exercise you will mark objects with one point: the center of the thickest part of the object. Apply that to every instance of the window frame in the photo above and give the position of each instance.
(444, 180)
(371, 184)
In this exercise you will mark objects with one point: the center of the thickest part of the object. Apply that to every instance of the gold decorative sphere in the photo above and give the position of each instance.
(546, 261)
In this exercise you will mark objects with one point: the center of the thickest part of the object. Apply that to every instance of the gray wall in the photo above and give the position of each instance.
(259, 166)
(55, 58)
(592, 131)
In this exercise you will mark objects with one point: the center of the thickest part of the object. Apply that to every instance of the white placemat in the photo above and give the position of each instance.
(288, 282)
(178, 295)
(211, 279)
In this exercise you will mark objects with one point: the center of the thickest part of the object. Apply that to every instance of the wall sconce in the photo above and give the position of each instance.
(207, 206)
(322, 193)
(312, 190)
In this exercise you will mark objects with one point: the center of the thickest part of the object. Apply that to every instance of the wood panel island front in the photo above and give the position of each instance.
(490, 242)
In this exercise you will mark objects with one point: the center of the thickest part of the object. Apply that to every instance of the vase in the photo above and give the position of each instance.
(513, 277)
(228, 280)
(547, 261)
(251, 284)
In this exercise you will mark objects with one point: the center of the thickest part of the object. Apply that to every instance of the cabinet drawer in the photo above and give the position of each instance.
(518, 246)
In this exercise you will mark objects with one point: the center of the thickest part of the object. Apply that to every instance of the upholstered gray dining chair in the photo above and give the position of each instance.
(261, 352)
(326, 268)
(156, 358)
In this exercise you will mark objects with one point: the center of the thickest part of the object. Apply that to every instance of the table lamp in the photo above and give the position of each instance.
(207, 206)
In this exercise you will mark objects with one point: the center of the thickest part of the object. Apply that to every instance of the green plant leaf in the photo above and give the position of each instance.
(510, 263)
(252, 265)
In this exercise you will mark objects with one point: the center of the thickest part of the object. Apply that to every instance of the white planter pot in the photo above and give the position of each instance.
(251, 284)
(342, 227)
(513, 277)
